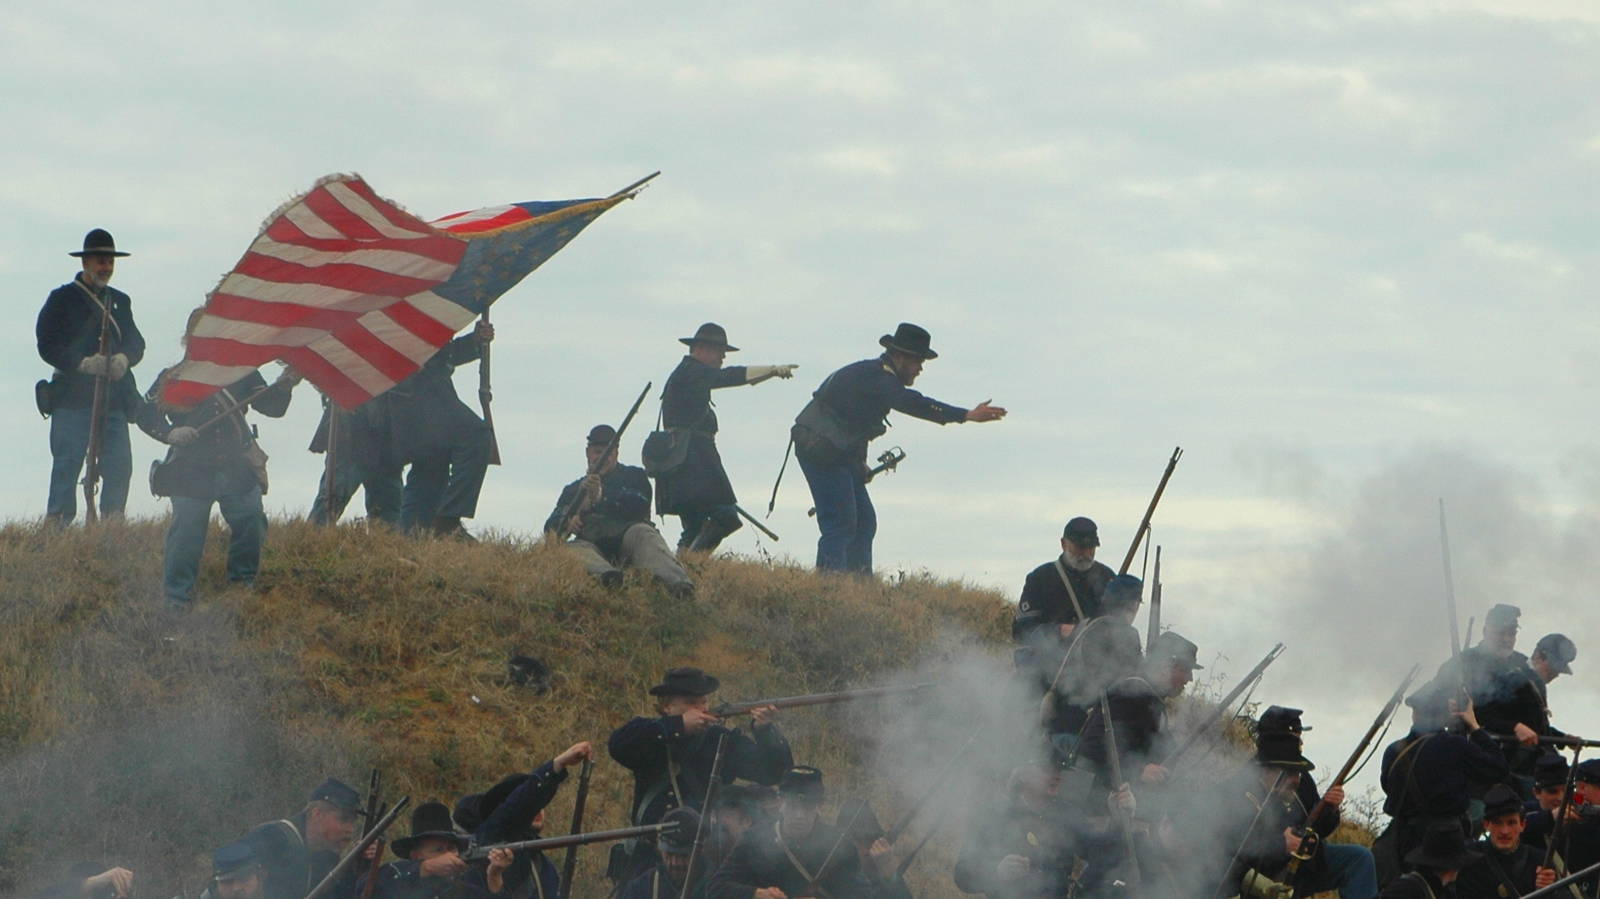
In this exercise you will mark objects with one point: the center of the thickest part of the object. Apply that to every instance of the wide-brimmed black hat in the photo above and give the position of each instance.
(1280, 719)
(1081, 531)
(711, 333)
(1550, 770)
(1501, 800)
(1444, 848)
(338, 794)
(430, 821)
(1174, 647)
(803, 782)
(1558, 650)
(1281, 750)
(909, 339)
(98, 243)
(686, 682)
(857, 820)
(680, 839)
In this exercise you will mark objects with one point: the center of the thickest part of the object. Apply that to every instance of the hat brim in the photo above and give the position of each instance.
(1461, 860)
(710, 684)
(887, 342)
(1301, 766)
(691, 341)
(1082, 539)
(76, 254)
(403, 846)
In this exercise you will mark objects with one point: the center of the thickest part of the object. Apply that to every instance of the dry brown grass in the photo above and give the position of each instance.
(138, 736)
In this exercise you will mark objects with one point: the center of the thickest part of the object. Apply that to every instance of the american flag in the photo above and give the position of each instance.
(356, 293)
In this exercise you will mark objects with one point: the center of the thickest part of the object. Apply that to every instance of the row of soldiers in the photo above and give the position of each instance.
(420, 454)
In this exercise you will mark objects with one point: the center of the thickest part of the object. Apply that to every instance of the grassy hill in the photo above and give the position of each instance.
(137, 736)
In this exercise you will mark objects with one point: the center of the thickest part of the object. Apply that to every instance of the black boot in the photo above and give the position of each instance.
(717, 525)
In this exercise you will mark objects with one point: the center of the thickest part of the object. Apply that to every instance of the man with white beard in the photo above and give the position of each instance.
(1056, 597)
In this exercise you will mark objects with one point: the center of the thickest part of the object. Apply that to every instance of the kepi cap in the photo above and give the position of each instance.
(1558, 650)
(1280, 719)
(802, 782)
(1172, 646)
(338, 794)
(602, 435)
(235, 860)
(1501, 800)
(1081, 531)
(1502, 615)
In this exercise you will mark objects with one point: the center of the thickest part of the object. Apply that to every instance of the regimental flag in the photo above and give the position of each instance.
(357, 294)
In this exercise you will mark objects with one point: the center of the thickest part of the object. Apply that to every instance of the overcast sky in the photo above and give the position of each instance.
(1343, 253)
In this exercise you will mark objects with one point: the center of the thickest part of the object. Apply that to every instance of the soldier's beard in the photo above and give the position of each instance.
(1077, 562)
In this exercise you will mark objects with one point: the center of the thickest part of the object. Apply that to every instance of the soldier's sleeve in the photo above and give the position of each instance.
(728, 376)
(642, 742)
(567, 493)
(527, 800)
(1309, 796)
(1483, 758)
(462, 350)
(1035, 608)
(151, 419)
(914, 404)
(132, 343)
(275, 401)
(53, 332)
(761, 758)
(736, 877)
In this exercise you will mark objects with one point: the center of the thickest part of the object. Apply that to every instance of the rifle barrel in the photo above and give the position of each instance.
(706, 805)
(572, 839)
(97, 418)
(1223, 705)
(1144, 525)
(727, 710)
(334, 876)
(1565, 881)
(1355, 757)
(616, 441)
(569, 865)
(1551, 740)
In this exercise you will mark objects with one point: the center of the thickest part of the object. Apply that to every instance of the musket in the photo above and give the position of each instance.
(813, 886)
(1223, 705)
(97, 416)
(486, 394)
(1117, 783)
(705, 812)
(330, 461)
(905, 863)
(210, 422)
(1154, 627)
(759, 526)
(1558, 829)
(477, 853)
(729, 709)
(569, 865)
(574, 507)
(1249, 832)
(371, 883)
(888, 461)
(1308, 829)
(1565, 881)
(1551, 740)
(901, 826)
(1450, 601)
(1144, 525)
(356, 851)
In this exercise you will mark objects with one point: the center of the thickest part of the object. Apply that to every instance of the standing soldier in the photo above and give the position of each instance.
(69, 337)
(361, 459)
(1057, 597)
(849, 410)
(696, 489)
(214, 459)
(299, 851)
(445, 442)
(671, 755)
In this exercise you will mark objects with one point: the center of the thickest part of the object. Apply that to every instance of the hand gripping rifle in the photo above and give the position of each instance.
(356, 851)
(729, 709)
(1144, 526)
(1309, 841)
(569, 865)
(1564, 882)
(582, 501)
(373, 813)
(1125, 821)
(478, 853)
(97, 416)
(1562, 740)
(706, 806)
(1223, 706)
(486, 394)
(888, 461)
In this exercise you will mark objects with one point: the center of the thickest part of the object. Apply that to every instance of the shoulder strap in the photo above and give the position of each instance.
(1411, 771)
(1072, 594)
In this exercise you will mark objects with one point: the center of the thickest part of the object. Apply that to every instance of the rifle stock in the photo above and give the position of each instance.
(97, 419)
(1144, 525)
(729, 709)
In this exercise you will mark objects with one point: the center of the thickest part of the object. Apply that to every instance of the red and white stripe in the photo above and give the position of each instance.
(339, 284)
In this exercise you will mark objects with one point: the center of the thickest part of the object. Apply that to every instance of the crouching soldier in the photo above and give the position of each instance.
(299, 851)
(802, 855)
(608, 512)
(214, 459)
(432, 866)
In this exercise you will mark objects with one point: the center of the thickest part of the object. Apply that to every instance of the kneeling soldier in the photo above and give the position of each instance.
(433, 866)
(611, 519)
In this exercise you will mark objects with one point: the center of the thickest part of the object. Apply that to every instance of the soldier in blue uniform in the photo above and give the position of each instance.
(68, 334)
(362, 459)
(513, 811)
(214, 459)
(1439, 857)
(298, 852)
(848, 411)
(1507, 694)
(697, 489)
(1057, 597)
(1507, 866)
(665, 879)
(431, 865)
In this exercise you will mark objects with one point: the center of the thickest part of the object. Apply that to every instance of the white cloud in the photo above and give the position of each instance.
(1520, 253)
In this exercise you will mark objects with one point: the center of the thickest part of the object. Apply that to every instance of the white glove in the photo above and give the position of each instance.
(754, 373)
(182, 435)
(1012, 867)
(1123, 801)
(93, 365)
(117, 367)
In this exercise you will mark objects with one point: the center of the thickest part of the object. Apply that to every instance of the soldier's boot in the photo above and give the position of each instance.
(451, 526)
(719, 524)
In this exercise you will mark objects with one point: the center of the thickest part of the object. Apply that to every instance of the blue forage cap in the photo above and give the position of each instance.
(1558, 650)
(1123, 590)
(338, 794)
(1589, 771)
(234, 861)
(1550, 770)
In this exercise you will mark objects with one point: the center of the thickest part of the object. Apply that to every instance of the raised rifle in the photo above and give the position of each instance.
(569, 865)
(1308, 833)
(373, 813)
(356, 851)
(1564, 882)
(97, 416)
(581, 501)
(1450, 607)
(1123, 820)
(1154, 627)
(729, 709)
(486, 394)
(1144, 525)
(1558, 829)
(888, 461)
(1222, 706)
(477, 853)
(706, 805)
